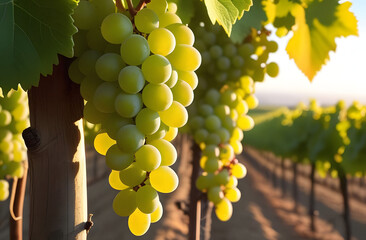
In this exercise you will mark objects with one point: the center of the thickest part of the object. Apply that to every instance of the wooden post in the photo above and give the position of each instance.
(346, 210)
(294, 186)
(194, 201)
(283, 177)
(55, 141)
(312, 198)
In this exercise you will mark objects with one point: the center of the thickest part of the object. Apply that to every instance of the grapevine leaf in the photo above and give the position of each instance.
(279, 13)
(185, 10)
(252, 19)
(222, 11)
(32, 34)
(242, 6)
(315, 33)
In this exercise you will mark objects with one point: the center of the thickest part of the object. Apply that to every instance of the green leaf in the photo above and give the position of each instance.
(252, 19)
(279, 12)
(315, 33)
(226, 12)
(33, 33)
(242, 6)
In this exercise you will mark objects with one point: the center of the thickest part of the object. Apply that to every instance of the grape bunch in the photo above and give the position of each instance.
(217, 126)
(223, 60)
(13, 120)
(136, 74)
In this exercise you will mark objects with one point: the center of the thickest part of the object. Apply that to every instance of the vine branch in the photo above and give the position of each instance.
(141, 5)
(119, 5)
(131, 8)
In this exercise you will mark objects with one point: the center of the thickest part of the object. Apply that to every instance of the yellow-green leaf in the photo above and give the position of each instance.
(315, 33)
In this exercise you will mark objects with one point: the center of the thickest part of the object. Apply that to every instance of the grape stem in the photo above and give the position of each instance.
(119, 5)
(131, 8)
(141, 4)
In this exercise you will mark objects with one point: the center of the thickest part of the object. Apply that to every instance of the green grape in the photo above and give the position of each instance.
(146, 20)
(212, 123)
(88, 86)
(237, 146)
(158, 134)
(211, 165)
(128, 105)
(237, 134)
(216, 51)
(87, 61)
(6, 147)
(171, 134)
(129, 138)
(222, 178)
(175, 116)
(212, 97)
(115, 181)
(233, 194)
(224, 210)
(215, 194)
(246, 50)
(148, 157)
(233, 182)
(164, 179)
(157, 97)
(182, 93)
(201, 135)
(161, 41)
(124, 203)
(211, 151)
(5, 135)
(222, 111)
(104, 97)
(237, 62)
(21, 112)
(139, 222)
(205, 110)
(228, 98)
(168, 18)
(167, 151)
(157, 214)
(158, 6)
(190, 77)
(172, 80)
(85, 15)
(196, 122)
(272, 69)
(131, 80)
(204, 181)
(252, 101)
(74, 73)
(5, 118)
(224, 134)
(104, 8)
(213, 138)
(182, 33)
(134, 50)
(239, 171)
(113, 123)
(230, 50)
(172, 7)
(15, 169)
(156, 69)
(118, 160)
(272, 46)
(108, 66)
(102, 143)
(132, 175)
(95, 39)
(147, 199)
(223, 63)
(242, 107)
(4, 190)
(80, 43)
(245, 122)
(178, 58)
(116, 27)
(147, 121)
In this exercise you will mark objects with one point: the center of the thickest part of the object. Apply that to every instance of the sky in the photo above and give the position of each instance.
(343, 77)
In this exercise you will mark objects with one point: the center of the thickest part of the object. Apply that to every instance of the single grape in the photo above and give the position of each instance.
(156, 69)
(175, 116)
(116, 27)
(161, 41)
(132, 175)
(167, 151)
(108, 66)
(139, 222)
(134, 50)
(104, 97)
(164, 179)
(147, 199)
(128, 105)
(148, 157)
(124, 203)
(146, 20)
(129, 138)
(147, 121)
(118, 160)
(102, 143)
(131, 79)
(157, 97)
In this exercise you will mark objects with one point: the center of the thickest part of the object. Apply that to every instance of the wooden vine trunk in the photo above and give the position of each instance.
(58, 200)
